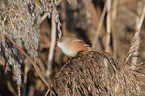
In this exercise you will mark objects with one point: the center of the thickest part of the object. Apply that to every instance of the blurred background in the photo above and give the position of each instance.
(104, 24)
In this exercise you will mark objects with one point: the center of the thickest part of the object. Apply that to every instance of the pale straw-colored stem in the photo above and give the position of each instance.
(52, 47)
(114, 9)
(108, 21)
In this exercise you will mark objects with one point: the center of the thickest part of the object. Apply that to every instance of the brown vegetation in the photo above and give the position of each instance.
(29, 29)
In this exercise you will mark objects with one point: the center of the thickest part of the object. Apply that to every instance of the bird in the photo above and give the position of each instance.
(70, 46)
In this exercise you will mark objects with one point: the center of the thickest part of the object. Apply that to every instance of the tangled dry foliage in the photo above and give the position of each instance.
(90, 73)
(19, 20)
(87, 75)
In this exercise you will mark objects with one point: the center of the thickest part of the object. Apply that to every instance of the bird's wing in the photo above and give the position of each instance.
(78, 40)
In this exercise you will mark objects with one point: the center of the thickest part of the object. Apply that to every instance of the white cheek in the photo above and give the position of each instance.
(63, 48)
(59, 45)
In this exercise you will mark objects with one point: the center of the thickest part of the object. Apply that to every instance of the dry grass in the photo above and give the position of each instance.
(87, 74)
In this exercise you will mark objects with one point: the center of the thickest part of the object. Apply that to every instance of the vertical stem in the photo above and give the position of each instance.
(108, 28)
(19, 90)
(114, 9)
(52, 46)
(63, 17)
(27, 68)
(108, 25)
(114, 41)
(114, 13)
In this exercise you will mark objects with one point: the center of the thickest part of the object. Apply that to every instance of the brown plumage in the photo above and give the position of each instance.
(70, 46)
